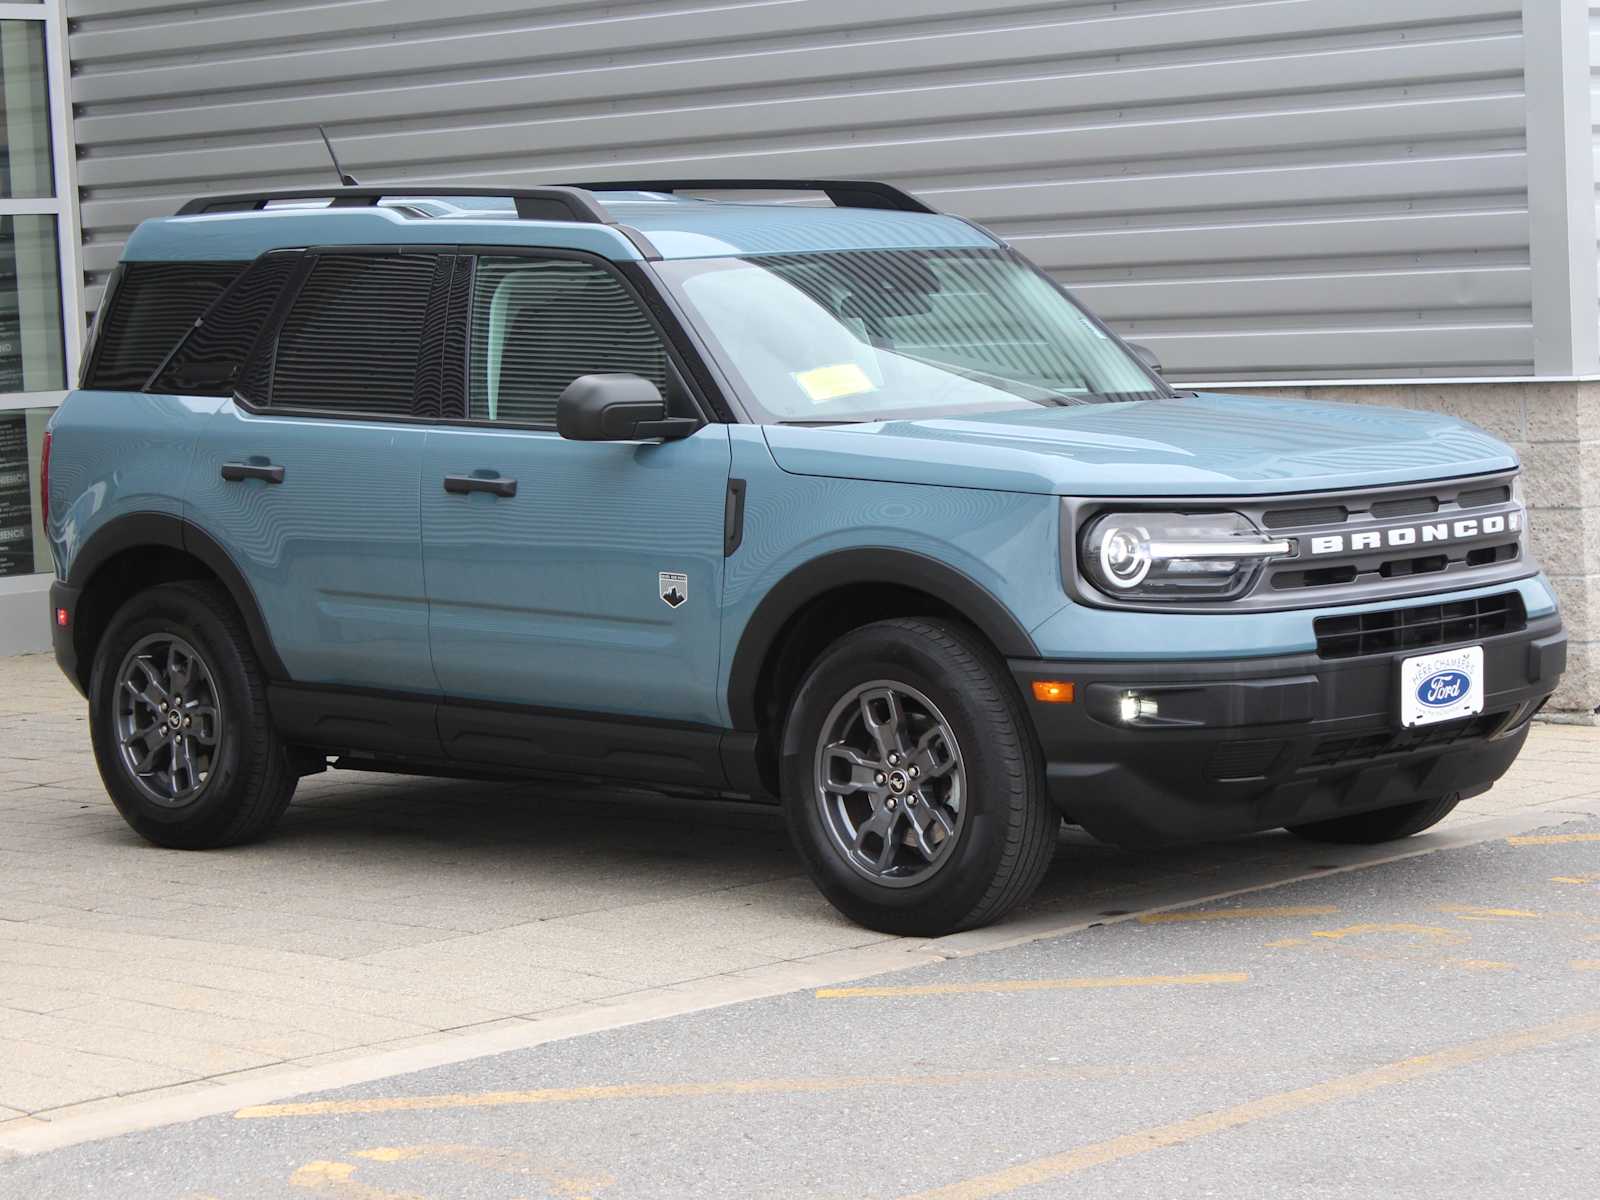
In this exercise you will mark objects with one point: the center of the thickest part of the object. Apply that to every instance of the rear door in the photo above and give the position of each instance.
(309, 476)
(589, 580)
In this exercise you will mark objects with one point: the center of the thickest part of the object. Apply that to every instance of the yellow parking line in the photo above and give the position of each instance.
(1554, 839)
(1575, 879)
(721, 1087)
(1058, 1166)
(1586, 964)
(1238, 914)
(1030, 985)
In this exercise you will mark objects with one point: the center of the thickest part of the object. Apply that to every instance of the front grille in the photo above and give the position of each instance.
(1417, 628)
(1333, 751)
(1391, 542)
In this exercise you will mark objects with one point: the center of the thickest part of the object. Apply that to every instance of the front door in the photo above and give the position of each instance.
(571, 577)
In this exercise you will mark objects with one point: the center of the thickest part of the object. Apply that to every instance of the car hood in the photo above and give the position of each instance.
(1199, 444)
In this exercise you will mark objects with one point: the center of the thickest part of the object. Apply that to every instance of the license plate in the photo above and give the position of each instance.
(1441, 687)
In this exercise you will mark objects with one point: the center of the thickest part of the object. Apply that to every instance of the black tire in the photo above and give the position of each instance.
(1004, 842)
(1384, 825)
(250, 778)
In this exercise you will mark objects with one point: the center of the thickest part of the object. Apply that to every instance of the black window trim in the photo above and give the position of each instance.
(703, 389)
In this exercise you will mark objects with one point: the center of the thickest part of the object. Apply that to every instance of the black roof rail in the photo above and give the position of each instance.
(553, 203)
(845, 193)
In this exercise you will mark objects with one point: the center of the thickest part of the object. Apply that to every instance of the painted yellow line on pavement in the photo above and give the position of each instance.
(1586, 964)
(1477, 912)
(1553, 839)
(721, 1087)
(1575, 879)
(1030, 985)
(1238, 914)
(1347, 1087)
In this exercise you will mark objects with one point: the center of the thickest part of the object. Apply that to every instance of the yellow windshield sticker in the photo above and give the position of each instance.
(829, 383)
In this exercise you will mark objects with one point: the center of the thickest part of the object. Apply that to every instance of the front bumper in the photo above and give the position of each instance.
(1256, 744)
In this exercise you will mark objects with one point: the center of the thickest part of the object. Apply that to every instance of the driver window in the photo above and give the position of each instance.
(538, 324)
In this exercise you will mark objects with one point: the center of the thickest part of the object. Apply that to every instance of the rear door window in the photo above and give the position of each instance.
(361, 331)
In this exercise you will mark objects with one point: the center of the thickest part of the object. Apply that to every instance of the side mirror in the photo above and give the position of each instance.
(617, 408)
(1146, 355)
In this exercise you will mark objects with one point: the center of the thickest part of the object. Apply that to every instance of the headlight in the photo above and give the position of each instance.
(1176, 556)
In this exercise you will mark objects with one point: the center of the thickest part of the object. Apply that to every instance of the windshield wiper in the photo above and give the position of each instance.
(824, 421)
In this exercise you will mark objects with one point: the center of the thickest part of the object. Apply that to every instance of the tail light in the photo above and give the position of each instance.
(44, 479)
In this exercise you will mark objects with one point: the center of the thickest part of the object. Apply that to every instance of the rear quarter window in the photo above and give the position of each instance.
(154, 305)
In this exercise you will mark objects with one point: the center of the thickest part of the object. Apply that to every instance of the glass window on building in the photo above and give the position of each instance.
(25, 159)
(23, 550)
(40, 316)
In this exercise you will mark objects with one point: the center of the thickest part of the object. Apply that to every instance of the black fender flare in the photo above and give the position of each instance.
(173, 532)
(843, 568)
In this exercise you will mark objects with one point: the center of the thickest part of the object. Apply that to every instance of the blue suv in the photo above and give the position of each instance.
(848, 508)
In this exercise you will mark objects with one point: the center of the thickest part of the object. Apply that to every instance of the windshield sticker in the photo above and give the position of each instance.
(822, 384)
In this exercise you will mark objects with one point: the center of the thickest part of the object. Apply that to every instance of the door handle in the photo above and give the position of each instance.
(234, 472)
(495, 485)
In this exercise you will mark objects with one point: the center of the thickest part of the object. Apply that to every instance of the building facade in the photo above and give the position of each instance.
(1382, 200)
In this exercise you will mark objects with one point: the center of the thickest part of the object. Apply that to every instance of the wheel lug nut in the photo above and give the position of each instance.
(894, 760)
(913, 772)
(891, 804)
(912, 801)
(880, 779)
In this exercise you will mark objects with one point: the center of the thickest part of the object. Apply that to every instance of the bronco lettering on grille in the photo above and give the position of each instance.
(1413, 535)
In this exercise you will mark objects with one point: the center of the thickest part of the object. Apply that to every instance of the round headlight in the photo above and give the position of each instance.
(1125, 556)
(1177, 556)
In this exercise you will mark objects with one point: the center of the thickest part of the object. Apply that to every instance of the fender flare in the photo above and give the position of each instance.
(844, 568)
(173, 532)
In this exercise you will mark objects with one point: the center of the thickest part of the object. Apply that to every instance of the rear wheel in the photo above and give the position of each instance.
(911, 784)
(1385, 825)
(178, 717)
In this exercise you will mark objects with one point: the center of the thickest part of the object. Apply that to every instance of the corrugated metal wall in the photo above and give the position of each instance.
(1255, 188)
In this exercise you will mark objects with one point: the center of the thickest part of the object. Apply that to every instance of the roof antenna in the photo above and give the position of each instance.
(344, 180)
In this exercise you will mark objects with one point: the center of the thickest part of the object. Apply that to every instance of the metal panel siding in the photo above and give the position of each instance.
(1255, 188)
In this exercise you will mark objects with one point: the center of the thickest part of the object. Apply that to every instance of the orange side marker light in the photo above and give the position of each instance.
(1051, 691)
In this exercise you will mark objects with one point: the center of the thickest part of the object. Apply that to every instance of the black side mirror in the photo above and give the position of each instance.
(617, 408)
(1146, 355)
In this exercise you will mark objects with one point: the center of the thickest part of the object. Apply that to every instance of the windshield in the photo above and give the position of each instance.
(874, 335)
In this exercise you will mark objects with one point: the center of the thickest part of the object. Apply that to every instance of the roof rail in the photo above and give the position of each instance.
(533, 204)
(845, 193)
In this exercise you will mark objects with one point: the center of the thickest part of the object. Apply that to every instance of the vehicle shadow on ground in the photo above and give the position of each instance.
(520, 832)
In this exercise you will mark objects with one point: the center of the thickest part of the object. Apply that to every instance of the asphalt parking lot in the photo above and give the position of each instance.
(400, 924)
(1428, 1027)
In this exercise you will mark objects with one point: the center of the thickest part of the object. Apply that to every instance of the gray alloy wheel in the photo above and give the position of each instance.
(168, 719)
(890, 783)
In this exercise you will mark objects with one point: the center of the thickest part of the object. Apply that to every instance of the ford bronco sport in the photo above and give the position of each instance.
(848, 506)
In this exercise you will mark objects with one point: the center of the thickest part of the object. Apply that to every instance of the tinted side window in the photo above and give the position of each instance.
(353, 339)
(153, 307)
(210, 358)
(538, 324)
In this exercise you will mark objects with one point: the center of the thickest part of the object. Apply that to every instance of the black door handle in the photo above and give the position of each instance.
(460, 485)
(234, 472)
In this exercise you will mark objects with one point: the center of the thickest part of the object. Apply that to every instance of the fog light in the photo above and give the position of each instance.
(1135, 707)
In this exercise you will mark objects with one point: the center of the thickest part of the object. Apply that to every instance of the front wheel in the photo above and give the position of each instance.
(178, 717)
(912, 785)
(1385, 825)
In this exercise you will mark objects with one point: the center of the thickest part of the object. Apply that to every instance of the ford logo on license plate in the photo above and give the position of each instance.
(1443, 689)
